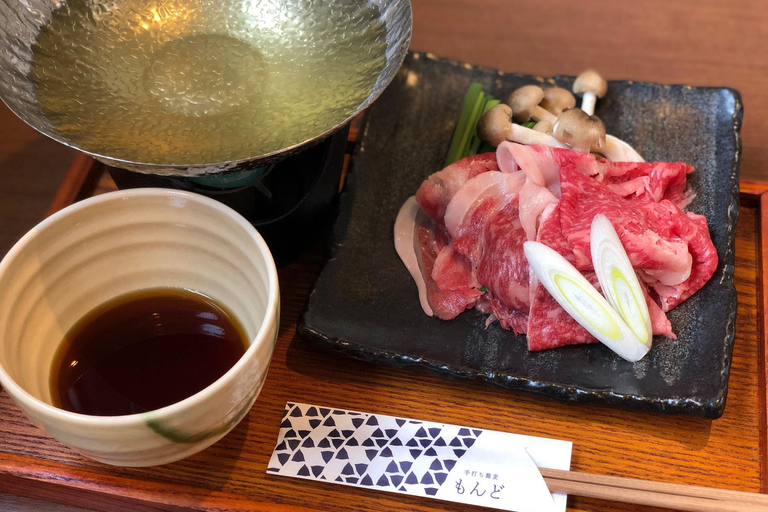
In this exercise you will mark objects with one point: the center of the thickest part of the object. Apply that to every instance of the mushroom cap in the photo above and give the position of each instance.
(543, 126)
(580, 130)
(556, 99)
(494, 125)
(590, 81)
(524, 100)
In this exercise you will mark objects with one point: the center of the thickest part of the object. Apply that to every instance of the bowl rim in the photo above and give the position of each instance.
(43, 409)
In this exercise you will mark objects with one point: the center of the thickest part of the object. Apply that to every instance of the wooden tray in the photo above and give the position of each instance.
(731, 452)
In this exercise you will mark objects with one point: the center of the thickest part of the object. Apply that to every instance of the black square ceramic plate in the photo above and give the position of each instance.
(365, 304)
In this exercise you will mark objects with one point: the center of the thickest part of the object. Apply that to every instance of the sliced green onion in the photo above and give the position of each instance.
(474, 146)
(618, 279)
(583, 302)
(529, 124)
(474, 101)
(483, 289)
(466, 148)
(492, 102)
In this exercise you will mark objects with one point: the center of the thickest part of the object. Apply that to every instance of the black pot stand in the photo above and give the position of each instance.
(291, 203)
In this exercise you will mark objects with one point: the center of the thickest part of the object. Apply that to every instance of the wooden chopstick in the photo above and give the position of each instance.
(691, 498)
(661, 487)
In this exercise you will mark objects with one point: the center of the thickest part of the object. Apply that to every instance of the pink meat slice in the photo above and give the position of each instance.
(437, 190)
(483, 217)
(503, 268)
(671, 249)
(451, 281)
(539, 163)
(474, 205)
(549, 326)
(452, 272)
(542, 184)
(551, 195)
(656, 181)
(534, 199)
(455, 289)
(692, 229)
(660, 324)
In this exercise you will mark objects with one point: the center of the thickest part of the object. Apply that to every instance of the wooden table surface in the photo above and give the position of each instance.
(694, 42)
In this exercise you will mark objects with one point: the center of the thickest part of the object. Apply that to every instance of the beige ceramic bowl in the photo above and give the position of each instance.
(116, 243)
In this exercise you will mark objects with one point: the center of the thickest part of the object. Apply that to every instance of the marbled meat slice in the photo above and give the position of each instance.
(483, 218)
(671, 249)
(549, 326)
(455, 288)
(438, 189)
(503, 269)
(474, 205)
(655, 181)
(552, 195)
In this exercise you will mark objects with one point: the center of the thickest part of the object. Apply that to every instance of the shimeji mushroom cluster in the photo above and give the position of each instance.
(558, 123)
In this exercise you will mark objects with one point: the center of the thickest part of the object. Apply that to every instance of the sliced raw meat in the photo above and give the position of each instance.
(505, 158)
(534, 199)
(483, 208)
(474, 205)
(407, 223)
(454, 273)
(436, 192)
(660, 324)
(657, 181)
(497, 186)
(426, 251)
(672, 249)
(483, 217)
(692, 230)
(503, 268)
(549, 326)
(537, 162)
(511, 319)
(542, 184)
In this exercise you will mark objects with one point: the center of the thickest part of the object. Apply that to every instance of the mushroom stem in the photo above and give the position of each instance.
(592, 86)
(588, 103)
(495, 126)
(540, 114)
(524, 135)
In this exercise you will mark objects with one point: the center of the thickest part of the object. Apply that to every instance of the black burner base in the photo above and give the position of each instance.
(292, 206)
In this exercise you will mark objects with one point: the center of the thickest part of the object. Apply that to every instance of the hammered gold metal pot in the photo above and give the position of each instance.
(193, 87)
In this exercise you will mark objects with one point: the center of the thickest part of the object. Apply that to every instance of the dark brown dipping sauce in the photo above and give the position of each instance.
(144, 350)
